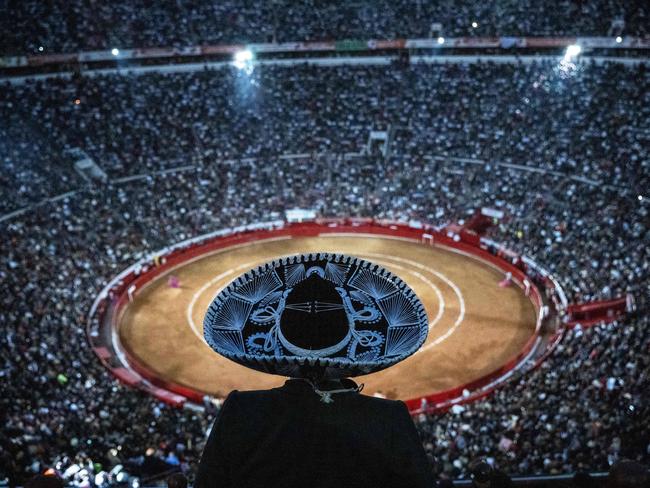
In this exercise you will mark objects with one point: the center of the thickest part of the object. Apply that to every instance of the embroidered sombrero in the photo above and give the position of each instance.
(316, 315)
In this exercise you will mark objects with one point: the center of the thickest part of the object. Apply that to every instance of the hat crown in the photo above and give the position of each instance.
(314, 316)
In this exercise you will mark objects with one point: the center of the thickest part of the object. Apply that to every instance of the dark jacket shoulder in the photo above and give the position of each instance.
(289, 436)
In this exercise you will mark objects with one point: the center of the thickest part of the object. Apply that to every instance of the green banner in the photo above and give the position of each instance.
(351, 45)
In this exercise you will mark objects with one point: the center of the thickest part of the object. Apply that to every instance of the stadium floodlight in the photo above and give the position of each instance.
(572, 51)
(441, 40)
(619, 39)
(474, 24)
(243, 58)
(115, 51)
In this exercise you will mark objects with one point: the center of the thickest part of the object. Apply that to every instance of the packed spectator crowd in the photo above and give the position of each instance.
(35, 27)
(548, 115)
(587, 406)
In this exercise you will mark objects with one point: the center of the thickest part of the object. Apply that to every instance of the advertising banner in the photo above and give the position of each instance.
(164, 52)
(351, 45)
(13, 61)
(474, 42)
(510, 42)
(52, 59)
(223, 49)
(292, 47)
(394, 44)
(549, 41)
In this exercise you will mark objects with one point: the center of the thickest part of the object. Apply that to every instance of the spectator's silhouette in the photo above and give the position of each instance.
(628, 474)
(44, 481)
(177, 480)
(317, 318)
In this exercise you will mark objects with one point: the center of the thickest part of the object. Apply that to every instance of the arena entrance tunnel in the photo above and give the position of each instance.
(484, 306)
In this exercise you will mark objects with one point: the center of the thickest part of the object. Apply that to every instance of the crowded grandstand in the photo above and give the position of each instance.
(59, 26)
(559, 144)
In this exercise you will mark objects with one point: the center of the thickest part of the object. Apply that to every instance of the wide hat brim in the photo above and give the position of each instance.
(387, 321)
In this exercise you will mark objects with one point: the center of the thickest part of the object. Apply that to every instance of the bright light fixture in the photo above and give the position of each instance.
(619, 39)
(572, 51)
(115, 51)
(474, 24)
(243, 57)
(441, 40)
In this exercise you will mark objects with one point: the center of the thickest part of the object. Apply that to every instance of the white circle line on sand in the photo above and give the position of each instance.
(200, 291)
(452, 285)
(436, 290)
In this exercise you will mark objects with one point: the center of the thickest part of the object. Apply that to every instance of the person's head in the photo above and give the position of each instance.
(582, 480)
(44, 481)
(177, 480)
(628, 474)
(481, 473)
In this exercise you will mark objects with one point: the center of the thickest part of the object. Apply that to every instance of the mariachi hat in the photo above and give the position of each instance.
(316, 316)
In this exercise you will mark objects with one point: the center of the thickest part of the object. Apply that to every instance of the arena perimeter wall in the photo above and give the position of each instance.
(344, 46)
(103, 324)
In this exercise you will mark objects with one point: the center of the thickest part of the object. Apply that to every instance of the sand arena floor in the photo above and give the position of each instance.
(475, 326)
